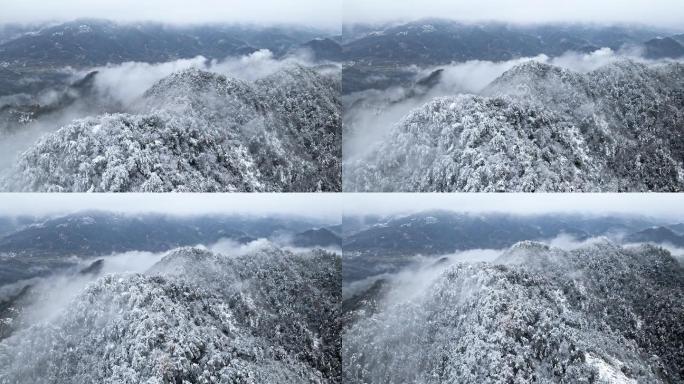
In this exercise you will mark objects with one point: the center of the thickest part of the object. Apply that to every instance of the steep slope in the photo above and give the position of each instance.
(471, 143)
(538, 128)
(309, 110)
(18, 111)
(200, 132)
(596, 314)
(270, 316)
(631, 115)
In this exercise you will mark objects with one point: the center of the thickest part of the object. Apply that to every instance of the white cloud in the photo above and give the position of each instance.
(315, 205)
(232, 248)
(657, 205)
(127, 81)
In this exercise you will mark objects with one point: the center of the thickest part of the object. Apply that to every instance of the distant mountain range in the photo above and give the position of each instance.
(33, 58)
(659, 235)
(388, 244)
(34, 247)
(377, 55)
(321, 237)
(87, 43)
(325, 49)
(439, 41)
(666, 47)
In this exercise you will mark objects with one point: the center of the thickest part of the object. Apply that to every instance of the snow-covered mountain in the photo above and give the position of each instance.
(195, 317)
(601, 313)
(539, 128)
(201, 132)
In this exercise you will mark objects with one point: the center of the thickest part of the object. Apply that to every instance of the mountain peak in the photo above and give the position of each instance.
(533, 73)
(194, 80)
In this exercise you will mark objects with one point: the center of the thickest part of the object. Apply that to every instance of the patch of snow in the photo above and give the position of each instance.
(608, 372)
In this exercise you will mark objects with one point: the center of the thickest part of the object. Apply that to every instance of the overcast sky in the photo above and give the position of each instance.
(657, 12)
(332, 205)
(329, 13)
(318, 13)
(649, 204)
(310, 205)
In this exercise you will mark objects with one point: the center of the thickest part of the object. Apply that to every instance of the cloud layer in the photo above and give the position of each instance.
(325, 14)
(656, 12)
(128, 81)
